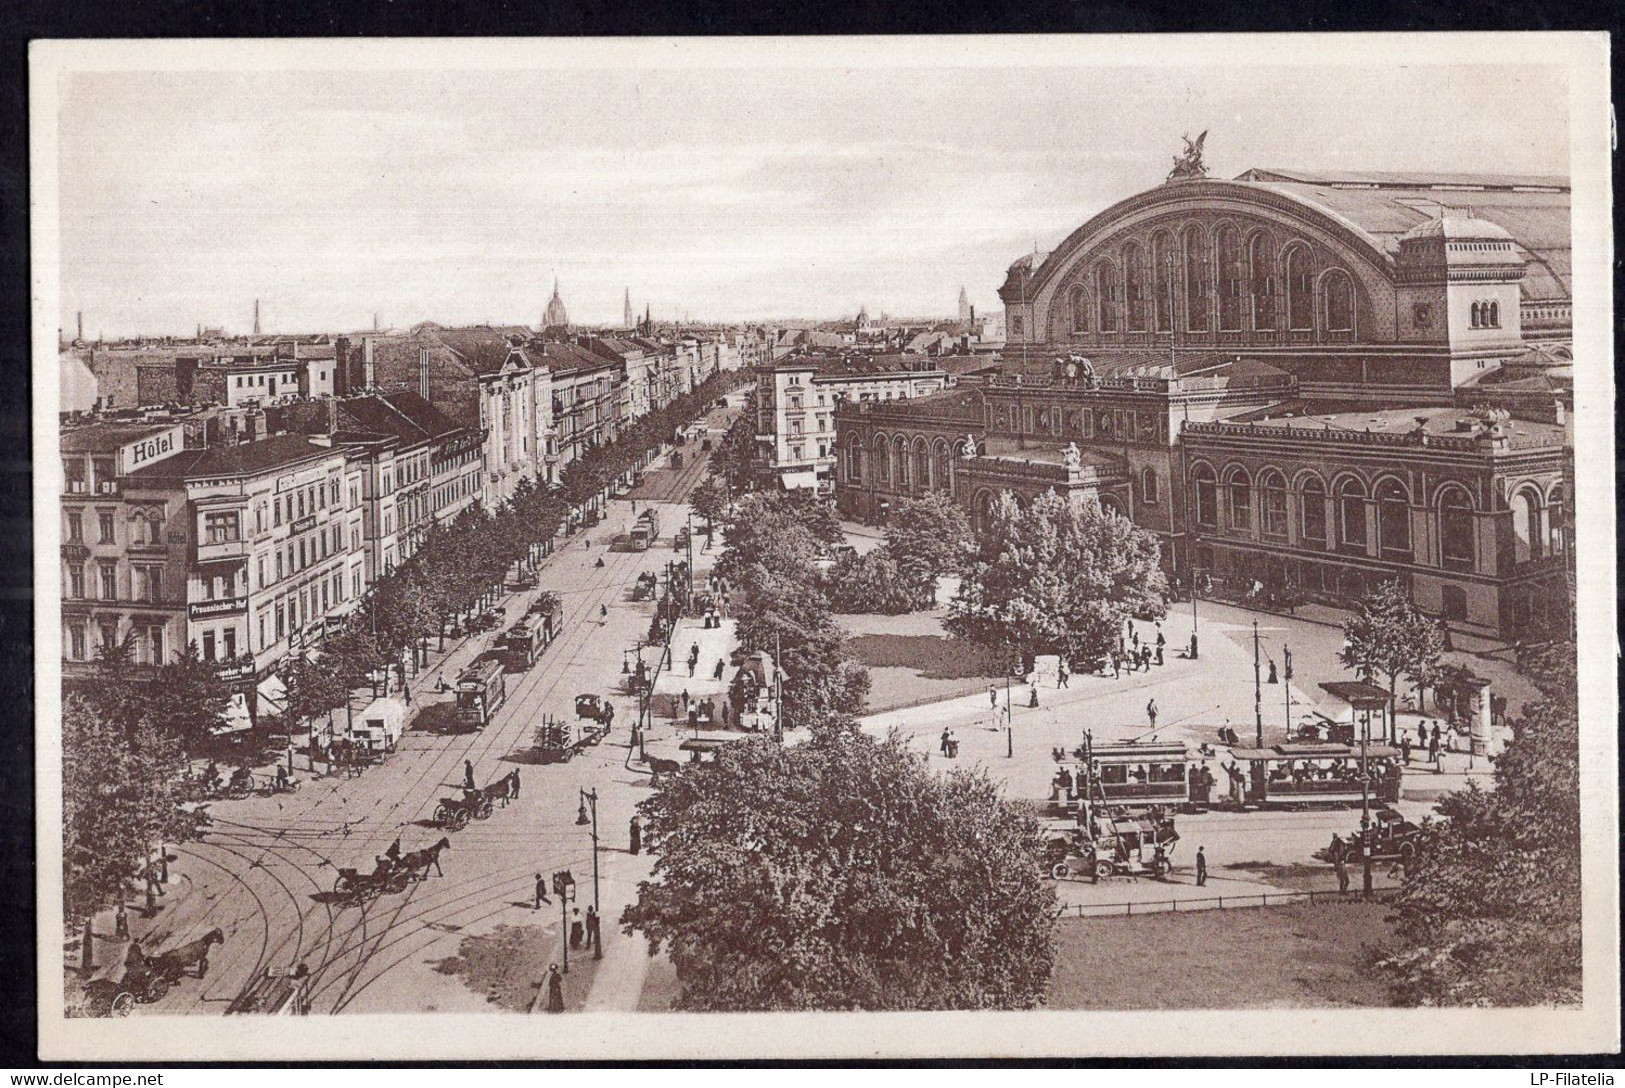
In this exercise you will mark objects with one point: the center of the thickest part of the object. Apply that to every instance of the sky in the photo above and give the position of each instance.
(737, 194)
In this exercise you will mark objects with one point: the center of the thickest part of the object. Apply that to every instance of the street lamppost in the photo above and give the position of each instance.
(590, 797)
(564, 886)
(1258, 689)
(1365, 802)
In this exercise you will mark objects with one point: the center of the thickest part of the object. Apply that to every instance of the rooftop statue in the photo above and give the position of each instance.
(1074, 456)
(970, 447)
(1189, 167)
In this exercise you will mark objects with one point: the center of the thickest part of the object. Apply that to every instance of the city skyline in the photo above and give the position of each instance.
(428, 197)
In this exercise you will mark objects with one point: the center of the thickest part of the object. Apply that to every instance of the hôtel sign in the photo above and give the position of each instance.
(151, 449)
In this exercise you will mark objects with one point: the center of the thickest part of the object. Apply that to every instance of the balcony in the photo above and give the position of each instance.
(221, 551)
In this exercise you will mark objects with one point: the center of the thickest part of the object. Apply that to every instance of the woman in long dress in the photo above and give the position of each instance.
(555, 989)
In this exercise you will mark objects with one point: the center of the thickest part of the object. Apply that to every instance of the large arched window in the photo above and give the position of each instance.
(1339, 291)
(1080, 310)
(1207, 497)
(1312, 510)
(1240, 488)
(1106, 296)
(1393, 518)
(1556, 529)
(1477, 316)
(1457, 549)
(1162, 272)
(1196, 279)
(1494, 318)
(1300, 289)
(1351, 515)
(1528, 535)
(900, 451)
(1272, 502)
(1261, 272)
(854, 460)
(942, 479)
(1148, 486)
(922, 464)
(882, 461)
(1134, 286)
(1231, 274)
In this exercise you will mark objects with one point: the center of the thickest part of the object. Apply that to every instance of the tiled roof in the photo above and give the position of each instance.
(1442, 421)
(249, 458)
(107, 437)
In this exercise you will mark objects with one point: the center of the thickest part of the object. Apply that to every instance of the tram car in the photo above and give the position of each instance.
(646, 531)
(1324, 773)
(481, 689)
(547, 613)
(1131, 776)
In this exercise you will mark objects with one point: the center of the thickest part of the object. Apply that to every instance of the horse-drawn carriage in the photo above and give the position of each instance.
(391, 873)
(595, 708)
(455, 812)
(138, 978)
(646, 587)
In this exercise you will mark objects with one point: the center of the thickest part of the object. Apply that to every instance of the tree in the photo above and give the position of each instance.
(785, 613)
(868, 882)
(871, 583)
(1054, 577)
(927, 538)
(710, 501)
(1490, 911)
(187, 698)
(1388, 636)
(122, 791)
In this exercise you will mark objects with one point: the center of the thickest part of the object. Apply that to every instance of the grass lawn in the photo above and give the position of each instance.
(1297, 956)
(911, 660)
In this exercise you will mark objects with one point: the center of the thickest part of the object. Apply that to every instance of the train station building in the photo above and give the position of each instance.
(1303, 382)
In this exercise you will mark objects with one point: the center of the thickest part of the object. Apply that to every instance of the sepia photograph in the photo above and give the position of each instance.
(913, 548)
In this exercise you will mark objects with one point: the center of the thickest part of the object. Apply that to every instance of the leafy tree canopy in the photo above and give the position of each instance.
(843, 874)
(1054, 577)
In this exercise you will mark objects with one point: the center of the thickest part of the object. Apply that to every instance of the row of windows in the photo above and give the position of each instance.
(1486, 315)
(1228, 285)
(297, 610)
(146, 582)
(150, 641)
(309, 551)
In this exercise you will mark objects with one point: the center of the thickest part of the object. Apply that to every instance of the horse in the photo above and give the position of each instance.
(418, 861)
(658, 768)
(502, 790)
(192, 955)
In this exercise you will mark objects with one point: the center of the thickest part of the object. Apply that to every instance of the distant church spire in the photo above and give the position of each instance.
(964, 307)
(626, 311)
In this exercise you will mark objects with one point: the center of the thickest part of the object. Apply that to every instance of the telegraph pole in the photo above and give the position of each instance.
(1286, 685)
(1258, 689)
(1365, 803)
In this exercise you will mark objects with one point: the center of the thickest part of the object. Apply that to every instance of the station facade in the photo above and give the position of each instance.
(1303, 383)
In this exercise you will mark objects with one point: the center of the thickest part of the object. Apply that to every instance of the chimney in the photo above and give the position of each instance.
(256, 317)
(375, 321)
(200, 332)
(332, 414)
(369, 374)
(81, 335)
(423, 372)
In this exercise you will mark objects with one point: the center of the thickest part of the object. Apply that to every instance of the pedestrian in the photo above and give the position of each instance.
(685, 698)
(541, 893)
(992, 699)
(152, 899)
(634, 836)
(555, 989)
(603, 612)
(513, 790)
(121, 924)
(725, 715)
(693, 661)
(1433, 746)
(1405, 748)
(468, 775)
(1161, 640)
(1193, 645)
(943, 744)
(1151, 713)
(577, 930)
(1422, 734)
(1117, 665)
(717, 673)
(595, 935)
(694, 717)
(1342, 872)
(1159, 654)
(1032, 702)
(1201, 867)
(1134, 637)
(1061, 675)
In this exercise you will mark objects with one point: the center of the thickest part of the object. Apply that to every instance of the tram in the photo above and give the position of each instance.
(481, 689)
(1314, 774)
(646, 531)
